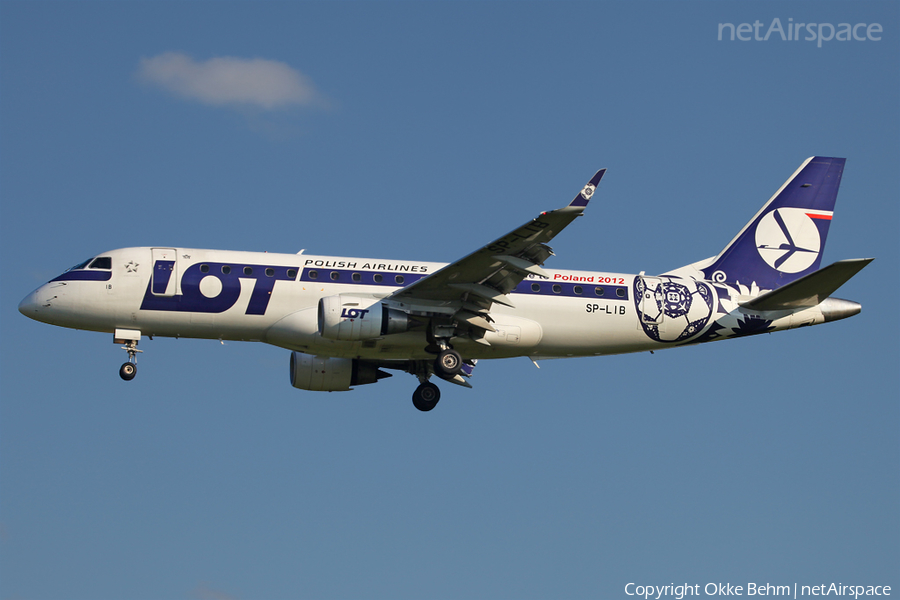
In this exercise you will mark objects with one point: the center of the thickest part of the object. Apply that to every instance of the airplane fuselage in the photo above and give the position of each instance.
(273, 298)
(346, 319)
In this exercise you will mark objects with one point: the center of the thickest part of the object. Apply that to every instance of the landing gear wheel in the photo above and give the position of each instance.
(128, 371)
(426, 396)
(448, 364)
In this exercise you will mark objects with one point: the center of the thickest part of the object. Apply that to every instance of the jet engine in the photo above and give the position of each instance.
(330, 374)
(351, 319)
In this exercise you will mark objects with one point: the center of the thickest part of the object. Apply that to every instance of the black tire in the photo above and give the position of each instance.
(448, 364)
(128, 371)
(426, 396)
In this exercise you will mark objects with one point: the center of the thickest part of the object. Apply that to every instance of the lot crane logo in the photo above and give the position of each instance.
(788, 239)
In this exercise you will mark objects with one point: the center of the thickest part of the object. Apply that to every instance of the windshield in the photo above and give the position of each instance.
(79, 265)
(101, 262)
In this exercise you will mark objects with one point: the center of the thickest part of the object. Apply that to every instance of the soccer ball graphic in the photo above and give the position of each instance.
(672, 309)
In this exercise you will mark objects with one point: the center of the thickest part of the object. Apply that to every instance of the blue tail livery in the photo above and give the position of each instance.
(784, 241)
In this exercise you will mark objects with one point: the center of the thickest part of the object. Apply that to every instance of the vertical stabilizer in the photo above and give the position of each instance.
(785, 240)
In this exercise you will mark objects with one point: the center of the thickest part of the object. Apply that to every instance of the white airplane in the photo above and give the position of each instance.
(346, 319)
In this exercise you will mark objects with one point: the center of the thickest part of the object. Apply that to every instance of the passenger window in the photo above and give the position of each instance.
(270, 272)
(620, 293)
(292, 273)
(226, 269)
(577, 289)
(399, 279)
(248, 271)
(356, 277)
(204, 268)
(535, 287)
(557, 289)
(103, 262)
(598, 291)
(313, 274)
(335, 275)
(378, 278)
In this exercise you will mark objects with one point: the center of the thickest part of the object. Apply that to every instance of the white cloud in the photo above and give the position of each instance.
(229, 81)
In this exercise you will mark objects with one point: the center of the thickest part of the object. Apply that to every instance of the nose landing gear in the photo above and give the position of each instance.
(128, 370)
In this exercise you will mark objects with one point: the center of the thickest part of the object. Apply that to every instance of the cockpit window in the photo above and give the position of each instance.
(102, 262)
(80, 265)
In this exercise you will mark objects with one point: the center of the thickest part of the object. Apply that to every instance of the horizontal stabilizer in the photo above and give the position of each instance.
(809, 290)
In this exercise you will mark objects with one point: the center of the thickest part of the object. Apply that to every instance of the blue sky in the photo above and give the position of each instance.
(422, 131)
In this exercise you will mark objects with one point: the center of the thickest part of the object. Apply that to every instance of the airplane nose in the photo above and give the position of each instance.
(30, 306)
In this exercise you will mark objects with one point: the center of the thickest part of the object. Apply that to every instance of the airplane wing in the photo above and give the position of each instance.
(475, 282)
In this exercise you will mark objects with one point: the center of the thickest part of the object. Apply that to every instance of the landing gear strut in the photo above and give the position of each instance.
(447, 365)
(128, 370)
(426, 396)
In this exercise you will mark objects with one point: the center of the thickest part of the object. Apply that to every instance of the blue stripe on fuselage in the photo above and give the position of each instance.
(544, 288)
(364, 277)
(93, 275)
(573, 290)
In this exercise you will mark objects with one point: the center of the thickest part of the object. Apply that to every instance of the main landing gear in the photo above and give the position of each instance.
(128, 370)
(426, 396)
(448, 365)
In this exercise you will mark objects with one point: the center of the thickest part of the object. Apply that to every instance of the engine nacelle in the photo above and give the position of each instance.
(352, 319)
(330, 374)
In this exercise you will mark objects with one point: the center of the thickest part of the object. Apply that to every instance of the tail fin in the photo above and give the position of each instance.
(784, 241)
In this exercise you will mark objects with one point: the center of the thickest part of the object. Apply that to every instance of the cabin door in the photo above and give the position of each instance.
(164, 279)
(652, 302)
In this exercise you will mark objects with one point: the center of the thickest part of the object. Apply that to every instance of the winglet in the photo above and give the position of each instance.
(583, 197)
